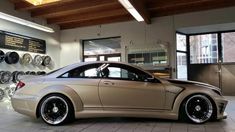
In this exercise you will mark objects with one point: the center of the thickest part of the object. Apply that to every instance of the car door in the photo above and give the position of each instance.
(127, 87)
(84, 80)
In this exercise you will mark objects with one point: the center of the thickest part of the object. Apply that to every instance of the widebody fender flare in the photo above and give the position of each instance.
(64, 90)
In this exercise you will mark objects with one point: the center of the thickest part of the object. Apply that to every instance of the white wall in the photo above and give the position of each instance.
(162, 29)
(132, 34)
(52, 39)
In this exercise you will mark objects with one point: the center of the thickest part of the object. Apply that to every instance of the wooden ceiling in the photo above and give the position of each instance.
(79, 13)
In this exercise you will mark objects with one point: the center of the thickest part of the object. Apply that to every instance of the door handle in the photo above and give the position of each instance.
(108, 83)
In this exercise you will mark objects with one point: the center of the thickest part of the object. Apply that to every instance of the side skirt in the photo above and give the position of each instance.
(90, 113)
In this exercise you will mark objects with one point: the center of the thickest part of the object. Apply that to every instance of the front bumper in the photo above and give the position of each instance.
(221, 104)
(25, 104)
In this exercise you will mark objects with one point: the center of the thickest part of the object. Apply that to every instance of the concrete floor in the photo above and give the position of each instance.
(11, 121)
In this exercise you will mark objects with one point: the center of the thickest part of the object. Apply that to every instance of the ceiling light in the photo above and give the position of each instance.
(130, 8)
(40, 2)
(25, 22)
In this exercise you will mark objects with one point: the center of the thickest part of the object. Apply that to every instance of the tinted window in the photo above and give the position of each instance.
(119, 71)
(87, 71)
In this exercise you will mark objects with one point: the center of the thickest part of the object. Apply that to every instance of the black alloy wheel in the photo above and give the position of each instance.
(198, 109)
(56, 110)
(12, 58)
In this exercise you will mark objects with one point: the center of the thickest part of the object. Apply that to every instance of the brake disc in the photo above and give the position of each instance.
(46, 61)
(2, 94)
(26, 59)
(37, 61)
(2, 56)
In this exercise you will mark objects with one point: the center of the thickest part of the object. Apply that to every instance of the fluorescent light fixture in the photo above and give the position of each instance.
(130, 8)
(40, 2)
(25, 22)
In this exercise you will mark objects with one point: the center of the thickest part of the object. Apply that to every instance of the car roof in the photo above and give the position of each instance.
(75, 65)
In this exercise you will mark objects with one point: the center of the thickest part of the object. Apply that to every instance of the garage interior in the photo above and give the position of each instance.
(177, 39)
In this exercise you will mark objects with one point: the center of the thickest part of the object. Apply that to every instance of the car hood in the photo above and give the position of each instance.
(183, 82)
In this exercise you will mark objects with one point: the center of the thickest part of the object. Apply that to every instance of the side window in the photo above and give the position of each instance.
(117, 71)
(87, 71)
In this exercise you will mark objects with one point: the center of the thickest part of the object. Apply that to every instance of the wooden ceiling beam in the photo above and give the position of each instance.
(140, 6)
(96, 14)
(94, 22)
(71, 7)
(182, 6)
(95, 9)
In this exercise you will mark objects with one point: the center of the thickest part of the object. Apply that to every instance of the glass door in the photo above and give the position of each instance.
(181, 57)
(204, 63)
(228, 65)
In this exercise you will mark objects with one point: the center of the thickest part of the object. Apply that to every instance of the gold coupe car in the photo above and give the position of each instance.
(113, 89)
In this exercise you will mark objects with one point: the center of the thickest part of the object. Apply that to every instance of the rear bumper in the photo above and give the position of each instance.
(25, 104)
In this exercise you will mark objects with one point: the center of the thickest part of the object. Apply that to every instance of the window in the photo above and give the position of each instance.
(181, 52)
(228, 44)
(117, 71)
(181, 65)
(102, 49)
(181, 42)
(88, 71)
(203, 49)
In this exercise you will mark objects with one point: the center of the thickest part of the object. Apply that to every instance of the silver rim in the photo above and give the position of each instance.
(198, 108)
(54, 110)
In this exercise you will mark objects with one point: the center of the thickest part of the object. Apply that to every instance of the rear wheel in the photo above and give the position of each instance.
(56, 110)
(198, 109)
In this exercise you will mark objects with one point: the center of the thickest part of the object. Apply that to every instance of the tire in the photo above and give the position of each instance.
(5, 77)
(46, 60)
(12, 58)
(197, 109)
(2, 94)
(16, 76)
(2, 56)
(56, 109)
(26, 59)
(37, 61)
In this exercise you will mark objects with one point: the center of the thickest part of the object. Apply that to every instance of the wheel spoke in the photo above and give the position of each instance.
(54, 110)
(198, 108)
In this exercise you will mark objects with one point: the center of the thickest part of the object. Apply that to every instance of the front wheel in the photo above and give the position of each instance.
(56, 110)
(198, 109)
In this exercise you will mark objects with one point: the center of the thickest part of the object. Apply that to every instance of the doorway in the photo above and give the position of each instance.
(211, 59)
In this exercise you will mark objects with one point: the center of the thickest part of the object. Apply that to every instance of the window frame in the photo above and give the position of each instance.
(98, 64)
(218, 44)
(126, 79)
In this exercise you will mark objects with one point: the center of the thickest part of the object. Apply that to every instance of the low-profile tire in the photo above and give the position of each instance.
(197, 109)
(56, 109)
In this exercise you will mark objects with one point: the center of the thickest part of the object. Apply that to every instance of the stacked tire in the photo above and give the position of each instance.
(2, 56)
(5, 77)
(12, 58)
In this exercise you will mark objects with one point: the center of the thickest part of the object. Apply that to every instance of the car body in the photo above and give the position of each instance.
(115, 89)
